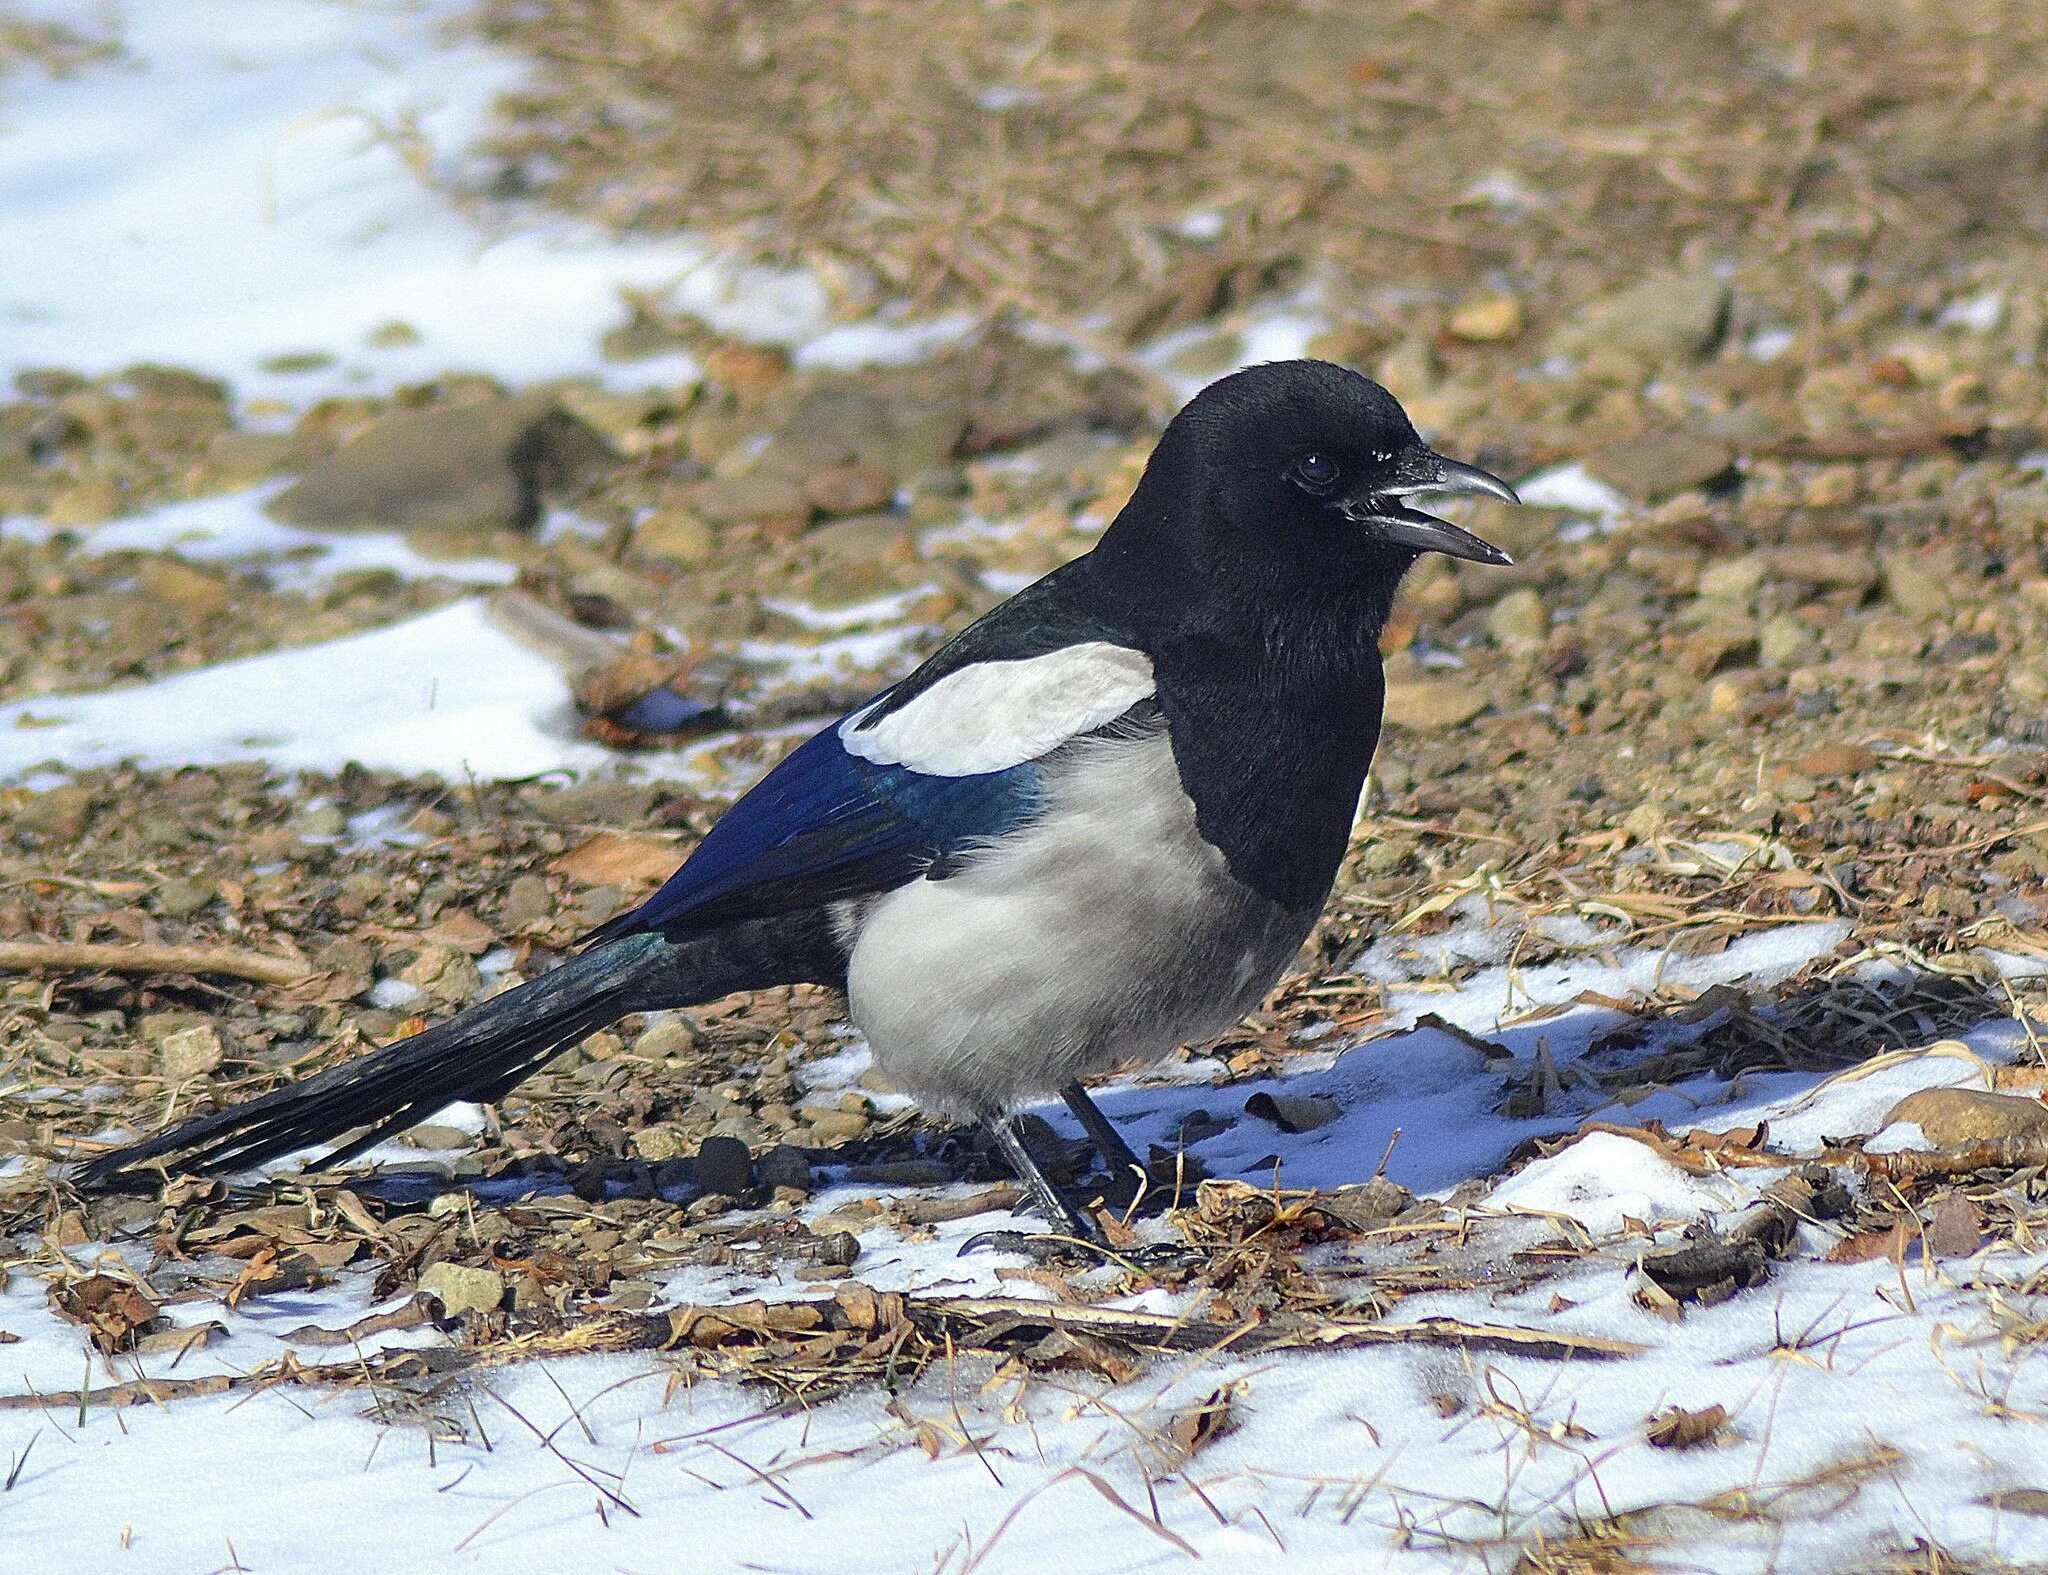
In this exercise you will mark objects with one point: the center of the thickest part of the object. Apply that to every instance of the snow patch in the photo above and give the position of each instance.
(232, 528)
(1575, 488)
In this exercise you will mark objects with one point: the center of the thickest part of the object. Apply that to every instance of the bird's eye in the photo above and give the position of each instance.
(1315, 471)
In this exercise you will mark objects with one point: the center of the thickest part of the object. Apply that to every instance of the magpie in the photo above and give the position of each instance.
(1093, 827)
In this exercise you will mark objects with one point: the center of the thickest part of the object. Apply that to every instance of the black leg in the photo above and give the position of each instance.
(1116, 1153)
(1072, 1230)
(1058, 1212)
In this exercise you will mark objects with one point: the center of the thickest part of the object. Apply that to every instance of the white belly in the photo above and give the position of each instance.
(1109, 932)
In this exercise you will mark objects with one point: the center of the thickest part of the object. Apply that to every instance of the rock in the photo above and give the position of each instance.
(1912, 586)
(748, 370)
(667, 1039)
(1432, 705)
(1885, 636)
(784, 1166)
(181, 585)
(768, 492)
(1950, 1116)
(610, 859)
(599, 904)
(622, 420)
(323, 820)
(179, 898)
(830, 1128)
(1351, 344)
(92, 500)
(1836, 760)
(1784, 642)
(156, 1027)
(173, 425)
(855, 487)
(59, 812)
(1832, 486)
(1294, 1112)
(191, 1052)
(2028, 685)
(1663, 317)
(1732, 579)
(850, 560)
(1493, 318)
(1825, 566)
(1727, 694)
(659, 1143)
(462, 931)
(484, 465)
(1659, 465)
(1518, 619)
(241, 459)
(1645, 823)
(723, 1167)
(675, 534)
(1707, 651)
(443, 975)
(460, 1289)
(601, 799)
(527, 904)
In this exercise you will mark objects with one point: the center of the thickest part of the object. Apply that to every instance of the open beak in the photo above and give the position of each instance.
(1422, 472)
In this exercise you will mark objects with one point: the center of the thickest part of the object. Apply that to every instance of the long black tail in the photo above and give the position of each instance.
(478, 1055)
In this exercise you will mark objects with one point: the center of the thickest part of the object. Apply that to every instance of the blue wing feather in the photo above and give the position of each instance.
(824, 825)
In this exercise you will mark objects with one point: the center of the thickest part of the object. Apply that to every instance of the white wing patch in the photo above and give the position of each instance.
(990, 716)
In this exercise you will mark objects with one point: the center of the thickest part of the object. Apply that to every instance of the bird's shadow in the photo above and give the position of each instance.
(1438, 1104)
(1432, 1106)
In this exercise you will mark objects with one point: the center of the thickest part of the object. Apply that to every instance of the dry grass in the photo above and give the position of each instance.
(53, 47)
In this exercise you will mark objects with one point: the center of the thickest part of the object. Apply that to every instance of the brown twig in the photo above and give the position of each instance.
(107, 957)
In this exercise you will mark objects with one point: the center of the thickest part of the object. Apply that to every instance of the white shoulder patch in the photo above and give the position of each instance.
(990, 716)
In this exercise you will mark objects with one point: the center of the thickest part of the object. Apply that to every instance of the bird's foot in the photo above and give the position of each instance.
(1040, 1247)
(1050, 1248)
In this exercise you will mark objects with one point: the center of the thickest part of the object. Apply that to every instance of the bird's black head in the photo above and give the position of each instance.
(1306, 456)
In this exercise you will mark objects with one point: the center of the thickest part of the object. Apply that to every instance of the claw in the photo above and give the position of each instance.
(1038, 1246)
(1045, 1248)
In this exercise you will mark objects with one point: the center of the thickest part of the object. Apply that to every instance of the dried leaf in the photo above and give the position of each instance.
(1956, 1227)
(1188, 1432)
(1088, 1353)
(113, 1311)
(197, 1336)
(1679, 1428)
(1869, 1244)
(461, 931)
(1652, 1297)
(611, 860)
(1294, 1112)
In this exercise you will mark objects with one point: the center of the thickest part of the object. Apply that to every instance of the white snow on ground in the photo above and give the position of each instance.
(447, 691)
(232, 528)
(1575, 488)
(246, 182)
